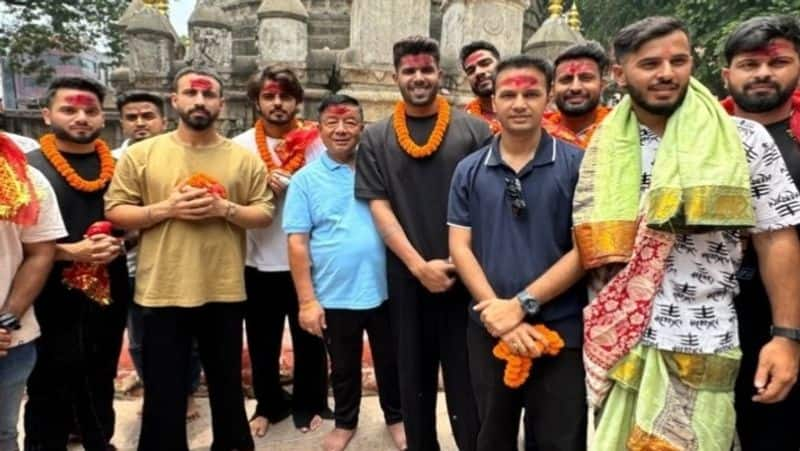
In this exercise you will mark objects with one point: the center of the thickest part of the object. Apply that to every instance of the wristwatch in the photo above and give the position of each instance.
(529, 304)
(787, 332)
(9, 321)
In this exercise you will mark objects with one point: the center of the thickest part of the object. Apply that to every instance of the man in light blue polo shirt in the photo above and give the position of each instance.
(338, 263)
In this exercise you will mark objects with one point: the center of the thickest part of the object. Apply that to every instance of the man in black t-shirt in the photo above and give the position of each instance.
(763, 56)
(80, 342)
(404, 166)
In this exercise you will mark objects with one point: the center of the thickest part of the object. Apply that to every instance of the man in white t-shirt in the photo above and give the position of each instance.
(285, 144)
(25, 261)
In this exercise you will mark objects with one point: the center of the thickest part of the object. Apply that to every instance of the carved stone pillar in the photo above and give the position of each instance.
(497, 21)
(376, 24)
(367, 66)
(282, 33)
(211, 37)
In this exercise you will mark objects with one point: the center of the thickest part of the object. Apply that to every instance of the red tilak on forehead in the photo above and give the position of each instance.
(201, 84)
(577, 67)
(475, 57)
(81, 100)
(520, 81)
(339, 110)
(272, 87)
(421, 59)
(772, 49)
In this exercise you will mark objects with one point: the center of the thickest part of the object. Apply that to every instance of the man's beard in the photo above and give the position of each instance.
(63, 135)
(200, 123)
(638, 98)
(416, 101)
(753, 103)
(577, 110)
(287, 118)
(482, 92)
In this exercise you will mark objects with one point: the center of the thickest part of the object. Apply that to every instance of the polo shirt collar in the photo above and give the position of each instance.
(329, 162)
(545, 152)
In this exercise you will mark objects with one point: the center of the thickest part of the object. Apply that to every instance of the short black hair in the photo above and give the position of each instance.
(756, 33)
(75, 82)
(473, 47)
(632, 37)
(589, 49)
(140, 96)
(339, 99)
(415, 45)
(285, 77)
(199, 70)
(526, 62)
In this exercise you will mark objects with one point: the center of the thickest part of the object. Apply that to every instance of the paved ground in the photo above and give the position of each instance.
(371, 435)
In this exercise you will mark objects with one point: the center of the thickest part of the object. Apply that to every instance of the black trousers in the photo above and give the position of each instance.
(430, 330)
(344, 338)
(554, 399)
(270, 299)
(761, 427)
(73, 379)
(166, 355)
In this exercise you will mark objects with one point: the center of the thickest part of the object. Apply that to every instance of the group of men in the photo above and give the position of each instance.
(631, 272)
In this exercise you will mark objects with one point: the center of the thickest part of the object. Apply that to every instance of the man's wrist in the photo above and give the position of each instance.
(308, 303)
(789, 333)
(230, 211)
(529, 305)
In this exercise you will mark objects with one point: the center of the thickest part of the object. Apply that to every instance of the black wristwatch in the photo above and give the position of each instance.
(787, 332)
(9, 321)
(529, 303)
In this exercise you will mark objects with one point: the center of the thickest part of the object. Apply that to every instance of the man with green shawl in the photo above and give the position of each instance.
(669, 188)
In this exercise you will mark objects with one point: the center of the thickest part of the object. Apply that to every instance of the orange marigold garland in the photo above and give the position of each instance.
(203, 180)
(53, 155)
(552, 123)
(518, 367)
(474, 108)
(434, 140)
(91, 278)
(18, 199)
(292, 151)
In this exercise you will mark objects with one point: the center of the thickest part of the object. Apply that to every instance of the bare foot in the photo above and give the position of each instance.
(337, 439)
(398, 433)
(259, 426)
(192, 410)
(315, 423)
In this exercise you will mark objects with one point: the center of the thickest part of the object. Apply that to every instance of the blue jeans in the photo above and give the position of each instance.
(14, 371)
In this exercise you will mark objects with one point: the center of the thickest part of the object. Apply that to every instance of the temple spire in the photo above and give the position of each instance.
(574, 17)
(556, 8)
(161, 6)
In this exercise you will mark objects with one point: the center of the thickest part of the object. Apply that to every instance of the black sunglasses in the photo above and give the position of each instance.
(514, 192)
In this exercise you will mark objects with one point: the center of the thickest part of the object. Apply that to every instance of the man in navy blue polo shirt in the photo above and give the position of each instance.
(510, 218)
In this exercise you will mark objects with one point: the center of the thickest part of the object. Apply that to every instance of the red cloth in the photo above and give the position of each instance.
(614, 321)
(25, 214)
(91, 278)
(794, 119)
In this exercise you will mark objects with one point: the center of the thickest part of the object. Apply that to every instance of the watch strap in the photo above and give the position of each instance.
(787, 332)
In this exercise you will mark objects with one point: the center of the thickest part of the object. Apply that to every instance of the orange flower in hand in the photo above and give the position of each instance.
(518, 367)
(202, 180)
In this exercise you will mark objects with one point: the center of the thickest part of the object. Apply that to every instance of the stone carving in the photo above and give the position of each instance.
(497, 21)
(211, 47)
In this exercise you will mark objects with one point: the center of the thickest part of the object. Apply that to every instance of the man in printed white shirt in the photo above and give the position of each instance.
(661, 344)
(27, 248)
(285, 143)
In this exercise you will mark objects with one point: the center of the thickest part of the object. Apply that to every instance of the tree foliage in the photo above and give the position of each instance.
(709, 22)
(30, 28)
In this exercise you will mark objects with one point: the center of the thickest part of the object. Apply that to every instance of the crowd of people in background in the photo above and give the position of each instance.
(610, 278)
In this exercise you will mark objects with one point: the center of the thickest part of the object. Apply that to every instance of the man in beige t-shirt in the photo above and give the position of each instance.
(189, 277)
